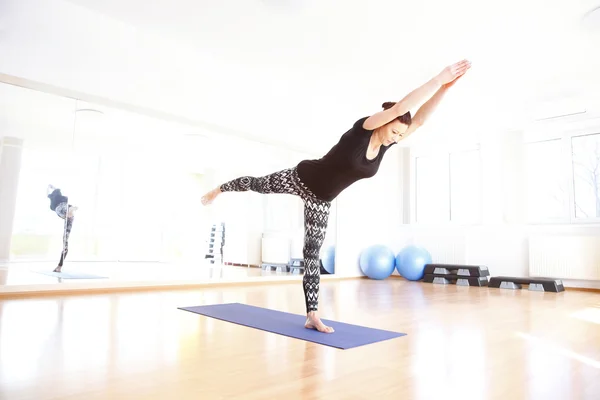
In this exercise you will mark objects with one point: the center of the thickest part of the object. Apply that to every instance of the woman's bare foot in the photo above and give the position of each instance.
(210, 196)
(314, 322)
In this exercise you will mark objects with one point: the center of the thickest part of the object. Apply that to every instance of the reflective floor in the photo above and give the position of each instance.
(462, 343)
(24, 277)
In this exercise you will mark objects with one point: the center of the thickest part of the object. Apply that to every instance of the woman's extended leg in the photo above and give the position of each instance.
(316, 216)
(285, 181)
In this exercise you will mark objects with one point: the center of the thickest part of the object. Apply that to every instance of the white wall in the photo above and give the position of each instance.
(370, 212)
(503, 248)
(500, 240)
(10, 165)
(374, 211)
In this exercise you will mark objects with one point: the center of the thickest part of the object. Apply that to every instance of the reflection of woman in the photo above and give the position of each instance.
(60, 205)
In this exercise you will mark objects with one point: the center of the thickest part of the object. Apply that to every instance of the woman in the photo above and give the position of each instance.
(60, 205)
(356, 156)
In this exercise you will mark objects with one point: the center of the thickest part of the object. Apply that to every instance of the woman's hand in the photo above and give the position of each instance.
(454, 71)
(450, 84)
(437, 84)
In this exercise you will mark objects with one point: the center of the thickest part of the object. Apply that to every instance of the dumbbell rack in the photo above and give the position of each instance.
(216, 243)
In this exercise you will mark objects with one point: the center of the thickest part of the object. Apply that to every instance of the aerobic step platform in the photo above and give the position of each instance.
(457, 269)
(535, 284)
(456, 279)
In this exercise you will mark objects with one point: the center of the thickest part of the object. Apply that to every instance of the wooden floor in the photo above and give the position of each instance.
(462, 343)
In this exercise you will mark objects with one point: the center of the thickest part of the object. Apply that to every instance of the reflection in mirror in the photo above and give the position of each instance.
(101, 192)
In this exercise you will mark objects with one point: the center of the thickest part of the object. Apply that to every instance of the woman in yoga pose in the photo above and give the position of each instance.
(60, 205)
(356, 156)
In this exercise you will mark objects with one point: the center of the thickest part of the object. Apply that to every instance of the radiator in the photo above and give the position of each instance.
(444, 249)
(565, 257)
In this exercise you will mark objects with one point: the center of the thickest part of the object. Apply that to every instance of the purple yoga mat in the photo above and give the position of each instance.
(346, 336)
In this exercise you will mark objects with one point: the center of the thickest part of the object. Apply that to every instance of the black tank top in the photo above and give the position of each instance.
(343, 165)
(56, 197)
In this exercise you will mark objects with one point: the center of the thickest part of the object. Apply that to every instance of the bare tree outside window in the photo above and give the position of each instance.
(586, 175)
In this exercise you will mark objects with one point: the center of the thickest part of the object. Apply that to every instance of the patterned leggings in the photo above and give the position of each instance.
(316, 215)
(62, 210)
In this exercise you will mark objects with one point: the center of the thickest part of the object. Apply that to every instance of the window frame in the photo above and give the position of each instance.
(447, 153)
(572, 212)
(566, 172)
(565, 136)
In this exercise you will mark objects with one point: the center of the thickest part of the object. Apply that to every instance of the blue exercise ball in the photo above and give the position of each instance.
(328, 259)
(411, 261)
(377, 262)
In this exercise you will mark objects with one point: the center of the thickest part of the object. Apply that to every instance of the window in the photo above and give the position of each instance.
(432, 189)
(448, 188)
(465, 187)
(37, 231)
(126, 205)
(585, 152)
(563, 178)
(547, 197)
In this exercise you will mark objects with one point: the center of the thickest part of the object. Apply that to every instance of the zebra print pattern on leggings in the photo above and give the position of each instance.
(316, 216)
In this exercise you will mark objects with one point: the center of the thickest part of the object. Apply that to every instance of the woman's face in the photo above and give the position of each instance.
(393, 132)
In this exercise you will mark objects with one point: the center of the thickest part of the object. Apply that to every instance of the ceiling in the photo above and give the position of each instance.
(535, 47)
(354, 34)
(343, 58)
(29, 114)
(58, 123)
